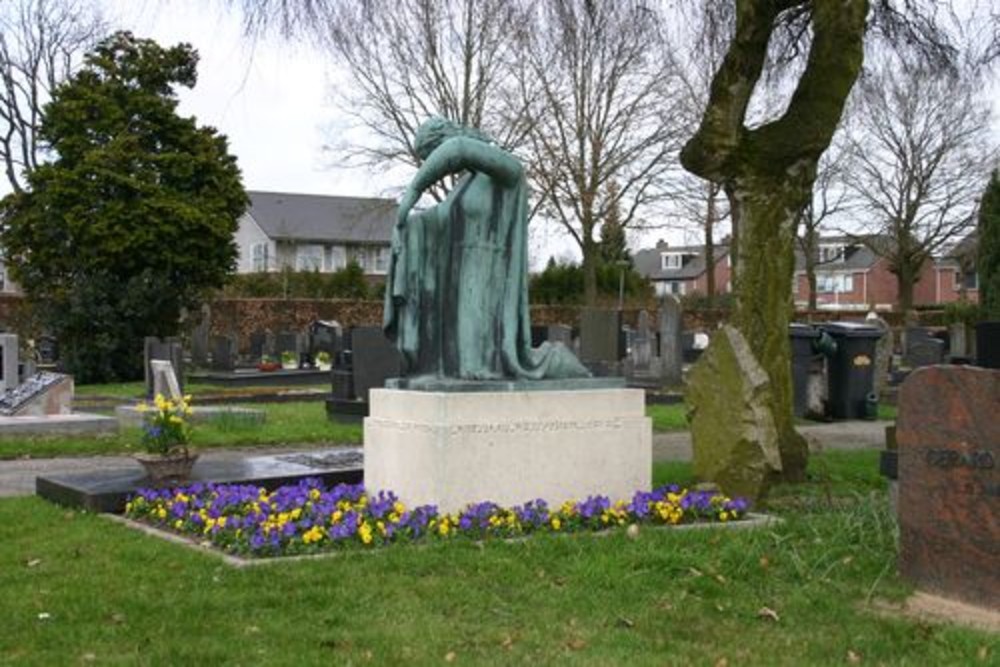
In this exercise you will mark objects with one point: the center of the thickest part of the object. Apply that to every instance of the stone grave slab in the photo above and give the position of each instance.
(948, 438)
(108, 490)
(671, 340)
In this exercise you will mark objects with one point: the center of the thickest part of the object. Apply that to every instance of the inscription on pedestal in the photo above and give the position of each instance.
(948, 433)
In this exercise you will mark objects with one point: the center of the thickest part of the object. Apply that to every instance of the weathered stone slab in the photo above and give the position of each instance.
(600, 332)
(948, 435)
(39, 395)
(9, 374)
(733, 433)
(671, 339)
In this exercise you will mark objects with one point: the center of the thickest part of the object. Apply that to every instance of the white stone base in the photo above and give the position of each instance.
(450, 449)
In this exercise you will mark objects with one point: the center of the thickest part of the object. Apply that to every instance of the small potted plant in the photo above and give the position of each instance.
(289, 360)
(165, 436)
(323, 360)
(268, 364)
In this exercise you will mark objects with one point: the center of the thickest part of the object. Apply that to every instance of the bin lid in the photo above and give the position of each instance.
(852, 330)
(800, 330)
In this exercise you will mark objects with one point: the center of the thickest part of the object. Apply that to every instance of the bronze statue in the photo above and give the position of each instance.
(456, 301)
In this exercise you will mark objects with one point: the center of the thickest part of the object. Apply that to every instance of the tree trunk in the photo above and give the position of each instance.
(590, 257)
(710, 214)
(905, 280)
(811, 256)
(769, 213)
(768, 173)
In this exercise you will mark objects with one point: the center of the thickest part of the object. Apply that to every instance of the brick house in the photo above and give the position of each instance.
(314, 233)
(848, 275)
(681, 270)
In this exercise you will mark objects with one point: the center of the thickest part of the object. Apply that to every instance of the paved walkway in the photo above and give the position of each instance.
(17, 477)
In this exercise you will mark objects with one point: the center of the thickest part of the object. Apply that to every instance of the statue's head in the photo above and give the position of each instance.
(434, 131)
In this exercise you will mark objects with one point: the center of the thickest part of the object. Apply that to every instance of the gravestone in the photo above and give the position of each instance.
(642, 343)
(958, 335)
(374, 359)
(165, 380)
(258, 342)
(948, 438)
(600, 336)
(9, 374)
(48, 350)
(223, 353)
(40, 395)
(200, 339)
(560, 333)
(732, 430)
(167, 349)
(671, 350)
(922, 349)
(883, 353)
(539, 334)
(288, 342)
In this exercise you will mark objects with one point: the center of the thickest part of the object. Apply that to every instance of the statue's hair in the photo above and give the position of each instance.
(436, 129)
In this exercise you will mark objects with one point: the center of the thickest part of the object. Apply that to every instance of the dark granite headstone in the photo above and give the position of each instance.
(642, 343)
(223, 353)
(167, 349)
(258, 341)
(925, 352)
(539, 335)
(374, 359)
(948, 437)
(600, 334)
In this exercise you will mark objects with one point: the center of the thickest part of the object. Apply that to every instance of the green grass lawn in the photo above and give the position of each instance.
(287, 423)
(75, 588)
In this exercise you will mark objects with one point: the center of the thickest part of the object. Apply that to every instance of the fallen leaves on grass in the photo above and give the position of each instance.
(768, 614)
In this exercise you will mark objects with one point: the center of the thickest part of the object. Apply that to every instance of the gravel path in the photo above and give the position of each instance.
(17, 477)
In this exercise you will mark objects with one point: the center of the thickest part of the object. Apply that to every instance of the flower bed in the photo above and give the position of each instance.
(309, 518)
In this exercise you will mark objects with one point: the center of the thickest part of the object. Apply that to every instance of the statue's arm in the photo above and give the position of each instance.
(455, 155)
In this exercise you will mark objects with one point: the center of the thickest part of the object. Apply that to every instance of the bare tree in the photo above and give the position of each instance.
(411, 59)
(698, 47)
(921, 149)
(41, 42)
(829, 199)
(595, 86)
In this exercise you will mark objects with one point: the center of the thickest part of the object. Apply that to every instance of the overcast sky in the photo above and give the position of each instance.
(271, 98)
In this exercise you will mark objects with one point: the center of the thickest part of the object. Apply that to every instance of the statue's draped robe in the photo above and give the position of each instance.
(457, 292)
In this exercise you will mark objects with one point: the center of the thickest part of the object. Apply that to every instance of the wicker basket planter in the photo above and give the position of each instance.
(175, 466)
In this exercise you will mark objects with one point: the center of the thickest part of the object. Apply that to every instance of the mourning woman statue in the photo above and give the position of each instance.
(456, 302)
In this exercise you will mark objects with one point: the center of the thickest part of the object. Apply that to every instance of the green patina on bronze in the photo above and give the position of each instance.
(456, 302)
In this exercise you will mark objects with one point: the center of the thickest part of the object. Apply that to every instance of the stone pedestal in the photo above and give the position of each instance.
(450, 449)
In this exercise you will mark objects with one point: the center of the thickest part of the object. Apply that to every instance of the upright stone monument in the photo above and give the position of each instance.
(479, 413)
(671, 348)
(9, 373)
(223, 353)
(739, 453)
(642, 343)
(883, 353)
(167, 349)
(948, 438)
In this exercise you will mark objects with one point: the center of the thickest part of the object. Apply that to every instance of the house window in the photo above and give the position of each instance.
(372, 259)
(831, 253)
(966, 280)
(258, 257)
(830, 283)
(675, 287)
(309, 258)
(338, 257)
(671, 261)
(381, 260)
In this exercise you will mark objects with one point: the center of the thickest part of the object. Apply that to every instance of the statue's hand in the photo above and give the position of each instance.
(408, 202)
